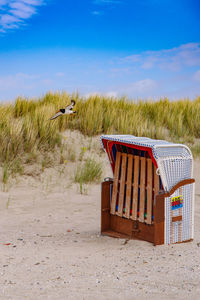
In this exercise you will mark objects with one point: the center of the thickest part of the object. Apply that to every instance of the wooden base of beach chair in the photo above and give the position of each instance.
(121, 227)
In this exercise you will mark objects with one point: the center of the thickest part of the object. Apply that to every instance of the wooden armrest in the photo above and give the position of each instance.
(174, 188)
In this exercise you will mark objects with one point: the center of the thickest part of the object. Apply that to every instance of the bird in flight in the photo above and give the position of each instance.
(65, 111)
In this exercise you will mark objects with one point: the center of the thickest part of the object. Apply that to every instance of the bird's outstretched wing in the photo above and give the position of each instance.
(56, 115)
(70, 107)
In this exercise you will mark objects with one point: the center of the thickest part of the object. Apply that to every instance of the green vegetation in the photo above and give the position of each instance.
(26, 131)
(196, 150)
(96, 115)
(89, 172)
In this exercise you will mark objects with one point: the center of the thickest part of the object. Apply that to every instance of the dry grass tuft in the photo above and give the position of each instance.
(88, 172)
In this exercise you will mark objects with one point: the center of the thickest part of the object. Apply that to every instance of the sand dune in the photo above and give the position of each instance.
(51, 247)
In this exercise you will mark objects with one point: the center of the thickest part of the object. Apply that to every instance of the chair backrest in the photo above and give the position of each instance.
(135, 185)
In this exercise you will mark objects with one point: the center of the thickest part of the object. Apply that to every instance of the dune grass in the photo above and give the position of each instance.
(26, 131)
(88, 172)
(98, 114)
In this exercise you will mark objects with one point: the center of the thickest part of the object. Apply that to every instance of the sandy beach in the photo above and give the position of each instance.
(51, 247)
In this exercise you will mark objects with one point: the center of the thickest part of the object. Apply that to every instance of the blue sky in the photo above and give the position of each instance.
(137, 48)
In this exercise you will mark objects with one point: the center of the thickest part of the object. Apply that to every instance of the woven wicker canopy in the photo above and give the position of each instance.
(174, 161)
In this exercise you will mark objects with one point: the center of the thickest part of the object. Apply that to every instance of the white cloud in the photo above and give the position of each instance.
(22, 10)
(132, 58)
(33, 2)
(59, 74)
(138, 88)
(141, 86)
(14, 12)
(103, 3)
(172, 59)
(9, 21)
(96, 13)
(111, 94)
(197, 76)
(3, 2)
(47, 82)
(15, 81)
(91, 94)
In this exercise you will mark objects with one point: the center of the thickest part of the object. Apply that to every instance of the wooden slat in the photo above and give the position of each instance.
(177, 219)
(172, 228)
(135, 188)
(129, 185)
(149, 191)
(180, 226)
(122, 185)
(105, 205)
(159, 220)
(115, 183)
(156, 182)
(142, 189)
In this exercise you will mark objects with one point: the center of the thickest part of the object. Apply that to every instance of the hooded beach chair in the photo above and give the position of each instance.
(151, 195)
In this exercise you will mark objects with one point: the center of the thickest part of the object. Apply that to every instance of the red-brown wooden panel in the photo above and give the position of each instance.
(129, 185)
(115, 183)
(142, 189)
(149, 191)
(156, 182)
(105, 205)
(119, 212)
(135, 188)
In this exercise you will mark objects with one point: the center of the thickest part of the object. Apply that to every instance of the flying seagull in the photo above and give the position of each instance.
(65, 111)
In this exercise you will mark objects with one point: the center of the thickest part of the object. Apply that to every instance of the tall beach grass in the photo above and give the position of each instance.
(26, 131)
